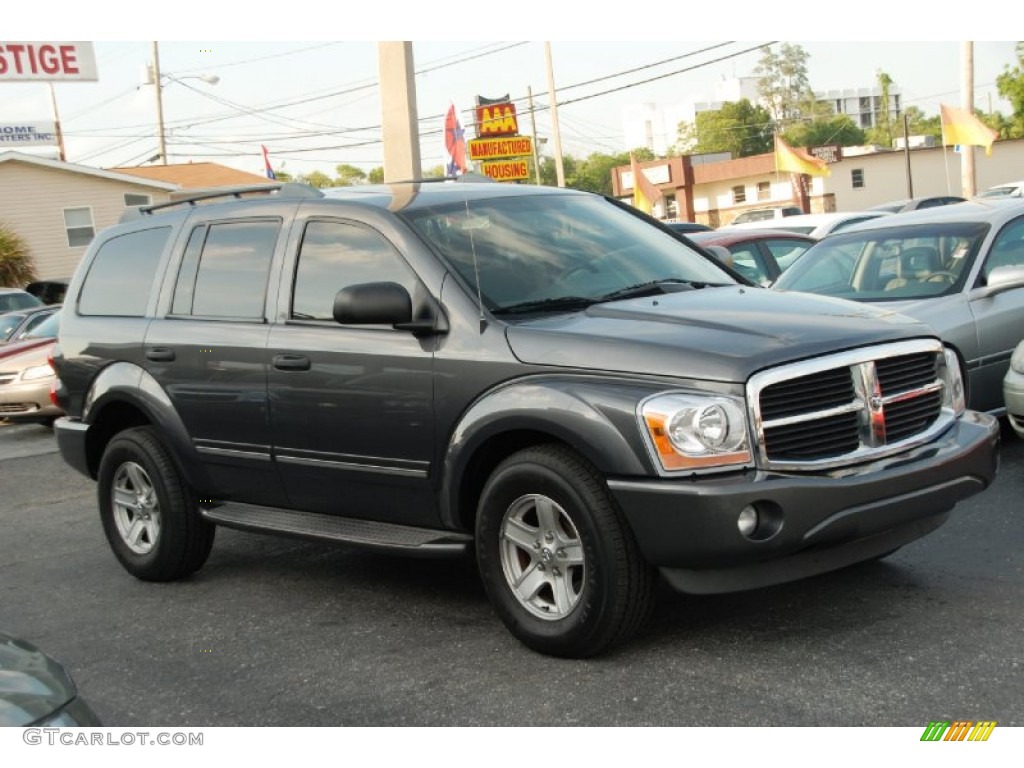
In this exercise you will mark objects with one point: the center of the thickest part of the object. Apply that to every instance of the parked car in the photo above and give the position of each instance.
(532, 374)
(1010, 189)
(917, 203)
(958, 268)
(760, 255)
(755, 215)
(686, 227)
(49, 291)
(15, 298)
(26, 376)
(818, 225)
(36, 691)
(1013, 391)
(22, 321)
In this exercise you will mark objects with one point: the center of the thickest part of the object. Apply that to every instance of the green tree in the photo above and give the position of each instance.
(884, 122)
(1010, 85)
(16, 268)
(437, 172)
(738, 127)
(783, 84)
(317, 179)
(349, 175)
(834, 129)
(376, 175)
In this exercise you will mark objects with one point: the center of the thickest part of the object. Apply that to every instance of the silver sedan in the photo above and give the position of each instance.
(958, 268)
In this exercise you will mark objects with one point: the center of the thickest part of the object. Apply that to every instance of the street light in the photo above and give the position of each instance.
(154, 78)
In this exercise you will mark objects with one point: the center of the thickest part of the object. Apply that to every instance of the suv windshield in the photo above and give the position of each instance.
(904, 263)
(544, 253)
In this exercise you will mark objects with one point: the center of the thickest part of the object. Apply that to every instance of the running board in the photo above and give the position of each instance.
(403, 539)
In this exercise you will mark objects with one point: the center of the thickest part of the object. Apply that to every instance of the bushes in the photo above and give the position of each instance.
(16, 268)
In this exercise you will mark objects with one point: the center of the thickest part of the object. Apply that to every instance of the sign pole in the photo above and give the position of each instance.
(56, 123)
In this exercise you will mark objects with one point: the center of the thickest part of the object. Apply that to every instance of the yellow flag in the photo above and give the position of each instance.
(797, 161)
(645, 194)
(961, 127)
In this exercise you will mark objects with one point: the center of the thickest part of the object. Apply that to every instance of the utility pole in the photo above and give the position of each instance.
(967, 181)
(556, 136)
(906, 153)
(161, 142)
(533, 126)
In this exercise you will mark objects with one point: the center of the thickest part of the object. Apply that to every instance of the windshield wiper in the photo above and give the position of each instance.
(555, 304)
(654, 287)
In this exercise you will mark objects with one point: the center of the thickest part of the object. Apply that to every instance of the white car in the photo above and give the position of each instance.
(1009, 189)
(1013, 391)
(817, 225)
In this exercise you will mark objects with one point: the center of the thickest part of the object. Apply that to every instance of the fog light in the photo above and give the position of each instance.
(747, 521)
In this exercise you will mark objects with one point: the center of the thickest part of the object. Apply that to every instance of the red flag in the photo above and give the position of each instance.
(454, 144)
(266, 163)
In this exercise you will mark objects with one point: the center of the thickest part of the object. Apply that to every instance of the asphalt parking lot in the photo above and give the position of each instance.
(284, 632)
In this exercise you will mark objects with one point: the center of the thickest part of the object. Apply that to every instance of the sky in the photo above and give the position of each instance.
(315, 104)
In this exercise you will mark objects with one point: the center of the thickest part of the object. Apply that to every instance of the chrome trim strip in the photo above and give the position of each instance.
(233, 453)
(351, 466)
(838, 410)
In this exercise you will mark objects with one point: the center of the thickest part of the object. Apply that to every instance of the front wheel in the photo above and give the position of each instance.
(149, 514)
(558, 562)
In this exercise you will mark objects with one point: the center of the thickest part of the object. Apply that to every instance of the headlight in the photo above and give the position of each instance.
(690, 432)
(37, 372)
(1017, 360)
(955, 398)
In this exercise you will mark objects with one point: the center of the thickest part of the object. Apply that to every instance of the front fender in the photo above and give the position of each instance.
(128, 384)
(595, 416)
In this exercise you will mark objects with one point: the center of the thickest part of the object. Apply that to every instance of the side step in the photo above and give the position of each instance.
(403, 539)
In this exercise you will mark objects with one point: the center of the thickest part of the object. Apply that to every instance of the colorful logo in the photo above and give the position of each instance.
(958, 730)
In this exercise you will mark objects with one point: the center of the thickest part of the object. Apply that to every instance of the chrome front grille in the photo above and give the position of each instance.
(851, 406)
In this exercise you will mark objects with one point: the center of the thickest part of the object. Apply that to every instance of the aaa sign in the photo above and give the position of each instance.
(496, 120)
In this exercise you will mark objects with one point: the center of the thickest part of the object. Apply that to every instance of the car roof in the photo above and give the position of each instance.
(412, 195)
(728, 237)
(995, 211)
(827, 218)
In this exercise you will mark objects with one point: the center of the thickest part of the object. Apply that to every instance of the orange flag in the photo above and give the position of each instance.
(645, 194)
(797, 161)
(961, 127)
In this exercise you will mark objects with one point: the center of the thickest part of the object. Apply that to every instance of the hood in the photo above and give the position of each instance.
(32, 685)
(719, 334)
(17, 347)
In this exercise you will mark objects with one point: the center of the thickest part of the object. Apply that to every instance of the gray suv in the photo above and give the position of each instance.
(545, 378)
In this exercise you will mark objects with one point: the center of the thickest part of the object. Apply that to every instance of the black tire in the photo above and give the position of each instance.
(593, 587)
(157, 534)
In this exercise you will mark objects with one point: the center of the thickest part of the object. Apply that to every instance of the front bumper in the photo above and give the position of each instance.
(827, 520)
(28, 401)
(1013, 393)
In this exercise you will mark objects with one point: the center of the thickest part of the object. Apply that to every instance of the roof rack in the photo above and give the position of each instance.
(283, 190)
(473, 178)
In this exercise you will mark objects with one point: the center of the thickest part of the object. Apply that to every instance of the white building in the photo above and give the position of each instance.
(654, 127)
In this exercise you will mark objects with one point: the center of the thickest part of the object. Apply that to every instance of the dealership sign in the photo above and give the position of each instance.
(492, 149)
(506, 170)
(497, 120)
(38, 134)
(55, 61)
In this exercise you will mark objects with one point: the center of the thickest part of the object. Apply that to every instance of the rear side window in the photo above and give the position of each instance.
(225, 270)
(121, 274)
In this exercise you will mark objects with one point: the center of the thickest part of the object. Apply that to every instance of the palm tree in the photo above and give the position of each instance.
(16, 268)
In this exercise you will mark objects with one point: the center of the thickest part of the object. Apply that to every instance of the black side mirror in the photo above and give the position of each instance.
(373, 304)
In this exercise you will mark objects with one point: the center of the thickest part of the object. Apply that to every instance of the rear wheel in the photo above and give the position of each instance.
(149, 514)
(558, 562)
